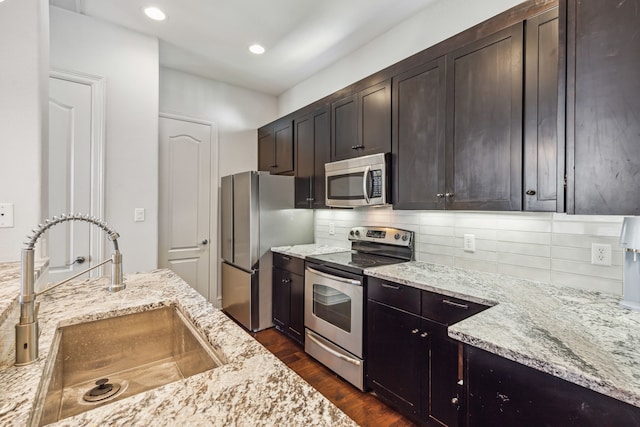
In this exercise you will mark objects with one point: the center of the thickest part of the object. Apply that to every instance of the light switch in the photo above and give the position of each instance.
(138, 215)
(6, 215)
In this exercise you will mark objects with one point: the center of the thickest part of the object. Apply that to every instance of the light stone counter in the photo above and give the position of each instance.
(583, 337)
(303, 251)
(253, 389)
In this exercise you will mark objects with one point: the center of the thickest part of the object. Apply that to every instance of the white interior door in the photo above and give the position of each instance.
(70, 175)
(185, 230)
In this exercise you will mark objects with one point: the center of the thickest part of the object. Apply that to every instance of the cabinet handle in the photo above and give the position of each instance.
(273, 166)
(439, 195)
(357, 147)
(415, 331)
(424, 335)
(310, 199)
(286, 258)
(455, 401)
(449, 195)
(394, 287)
(531, 192)
(455, 304)
(285, 281)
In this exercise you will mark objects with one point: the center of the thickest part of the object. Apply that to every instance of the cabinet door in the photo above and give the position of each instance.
(322, 150)
(344, 132)
(283, 136)
(418, 139)
(603, 124)
(443, 374)
(484, 123)
(305, 167)
(296, 305)
(505, 393)
(281, 298)
(374, 119)
(312, 134)
(266, 149)
(361, 123)
(541, 112)
(396, 355)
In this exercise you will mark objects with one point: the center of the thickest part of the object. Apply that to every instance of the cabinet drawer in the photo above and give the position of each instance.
(289, 263)
(399, 296)
(448, 310)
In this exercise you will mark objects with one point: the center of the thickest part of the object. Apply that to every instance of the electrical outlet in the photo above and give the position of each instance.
(332, 229)
(6, 215)
(138, 214)
(469, 242)
(600, 254)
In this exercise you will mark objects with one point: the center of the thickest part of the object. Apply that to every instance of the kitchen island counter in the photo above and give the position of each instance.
(252, 388)
(583, 337)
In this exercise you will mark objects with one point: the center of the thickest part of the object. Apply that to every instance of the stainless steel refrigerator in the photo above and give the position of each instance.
(257, 214)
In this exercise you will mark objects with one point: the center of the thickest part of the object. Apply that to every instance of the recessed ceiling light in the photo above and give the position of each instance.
(155, 13)
(257, 49)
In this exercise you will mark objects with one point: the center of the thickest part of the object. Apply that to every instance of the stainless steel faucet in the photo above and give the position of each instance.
(27, 329)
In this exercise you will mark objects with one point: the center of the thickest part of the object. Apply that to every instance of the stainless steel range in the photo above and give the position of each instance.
(335, 297)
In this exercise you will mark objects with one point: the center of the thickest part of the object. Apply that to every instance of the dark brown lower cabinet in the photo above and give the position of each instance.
(288, 296)
(505, 393)
(412, 364)
(397, 358)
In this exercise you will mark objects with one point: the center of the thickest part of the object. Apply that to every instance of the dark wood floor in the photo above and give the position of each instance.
(363, 408)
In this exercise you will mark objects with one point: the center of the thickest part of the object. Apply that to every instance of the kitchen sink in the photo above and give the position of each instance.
(99, 362)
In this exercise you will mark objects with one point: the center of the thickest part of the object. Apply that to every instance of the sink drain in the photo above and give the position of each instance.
(102, 391)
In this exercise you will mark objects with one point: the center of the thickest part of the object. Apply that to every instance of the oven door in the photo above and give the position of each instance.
(334, 307)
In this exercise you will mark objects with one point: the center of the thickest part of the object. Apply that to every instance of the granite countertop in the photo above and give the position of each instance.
(253, 388)
(581, 336)
(303, 251)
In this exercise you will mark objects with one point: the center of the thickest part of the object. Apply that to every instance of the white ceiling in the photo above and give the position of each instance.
(210, 37)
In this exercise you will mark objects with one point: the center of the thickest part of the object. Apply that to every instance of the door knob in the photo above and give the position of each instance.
(205, 241)
(78, 260)
(531, 192)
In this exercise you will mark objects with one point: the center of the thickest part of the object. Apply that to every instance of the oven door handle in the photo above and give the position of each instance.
(333, 352)
(332, 277)
(365, 180)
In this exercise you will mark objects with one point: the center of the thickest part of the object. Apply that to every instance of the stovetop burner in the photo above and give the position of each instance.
(371, 247)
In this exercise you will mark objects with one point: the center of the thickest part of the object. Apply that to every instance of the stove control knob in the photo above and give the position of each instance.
(405, 237)
(351, 232)
(357, 232)
(397, 236)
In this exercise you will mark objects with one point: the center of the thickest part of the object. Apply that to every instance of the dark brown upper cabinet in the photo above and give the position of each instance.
(275, 147)
(312, 135)
(361, 123)
(541, 112)
(418, 137)
(484, 123)
(603, 105)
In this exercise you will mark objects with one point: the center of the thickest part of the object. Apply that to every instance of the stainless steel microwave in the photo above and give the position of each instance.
(362, 181)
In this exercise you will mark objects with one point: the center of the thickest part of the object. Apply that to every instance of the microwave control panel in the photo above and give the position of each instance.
(376, 183)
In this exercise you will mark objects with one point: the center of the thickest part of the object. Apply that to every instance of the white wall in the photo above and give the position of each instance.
(129, 62)
(435, 23)
(238, 112)
(24, 49)
(547, 247)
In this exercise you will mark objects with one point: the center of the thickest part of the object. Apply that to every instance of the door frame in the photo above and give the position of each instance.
(214, 210)
(97, 143)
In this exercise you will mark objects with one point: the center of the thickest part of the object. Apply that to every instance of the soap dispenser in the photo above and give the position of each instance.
(630, 241)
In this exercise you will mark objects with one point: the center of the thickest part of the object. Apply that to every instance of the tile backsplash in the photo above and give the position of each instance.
(547, 247)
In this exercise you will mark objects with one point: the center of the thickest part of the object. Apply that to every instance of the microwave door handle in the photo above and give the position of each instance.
(365, 179)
